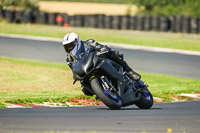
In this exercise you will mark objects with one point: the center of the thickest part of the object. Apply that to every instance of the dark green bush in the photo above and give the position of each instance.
(168, 7)
(19, 4)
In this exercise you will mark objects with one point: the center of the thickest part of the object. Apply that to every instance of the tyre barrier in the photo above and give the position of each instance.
(2, 14)
(66, 20)
(86, 21)
(125, 22)
(108, 22)
(52, 18)
(100, 21)
(164, 24)
(116, 22)
(172, 23)
(132, 23)
(92, 21)
(180, 23)
(155, 23)
(140, 23)
(194, 25)
(147, 23)
(18, 16)
(78, 21)
(10, 16)
(198, 25)
(186, 24)
(41, 17)
(28, 17)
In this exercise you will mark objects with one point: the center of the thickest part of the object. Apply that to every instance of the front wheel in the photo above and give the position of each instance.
(109, 98)
(146, 100)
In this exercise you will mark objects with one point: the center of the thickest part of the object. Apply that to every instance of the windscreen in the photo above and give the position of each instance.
(78, 51)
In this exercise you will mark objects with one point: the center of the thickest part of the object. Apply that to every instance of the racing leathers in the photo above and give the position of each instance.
(110, 54)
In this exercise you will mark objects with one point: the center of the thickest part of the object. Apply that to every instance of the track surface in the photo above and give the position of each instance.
(166, 63)
(179, 117)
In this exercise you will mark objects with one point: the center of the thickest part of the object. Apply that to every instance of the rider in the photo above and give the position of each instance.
(70, 40)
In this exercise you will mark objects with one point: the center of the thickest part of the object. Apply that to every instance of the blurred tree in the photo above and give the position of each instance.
(168, 7)
(19, 4)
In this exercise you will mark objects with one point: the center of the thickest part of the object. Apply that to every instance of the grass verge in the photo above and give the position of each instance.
(26, 81)
(154, 39)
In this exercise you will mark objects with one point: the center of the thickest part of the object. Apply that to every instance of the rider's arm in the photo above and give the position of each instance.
(97, 45)
(69, 60)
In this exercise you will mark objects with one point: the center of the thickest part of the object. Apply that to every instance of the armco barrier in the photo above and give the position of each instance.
(180, 23)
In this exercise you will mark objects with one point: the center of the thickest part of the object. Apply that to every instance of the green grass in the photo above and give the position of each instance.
(27, 81)
(155, 39)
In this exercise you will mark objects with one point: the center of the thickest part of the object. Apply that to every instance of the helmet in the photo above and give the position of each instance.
(70, 40)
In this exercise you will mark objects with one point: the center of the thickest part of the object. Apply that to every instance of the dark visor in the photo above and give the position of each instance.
(69, 47)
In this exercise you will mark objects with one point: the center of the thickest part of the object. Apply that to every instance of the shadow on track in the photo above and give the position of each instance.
(130, 109)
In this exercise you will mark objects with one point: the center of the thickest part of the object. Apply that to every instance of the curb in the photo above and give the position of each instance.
(74, 102)
(117, 45)
(193, 96)
(157, 100)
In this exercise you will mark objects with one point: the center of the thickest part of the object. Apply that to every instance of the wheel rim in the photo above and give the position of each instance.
(111, 95)
(147, 95)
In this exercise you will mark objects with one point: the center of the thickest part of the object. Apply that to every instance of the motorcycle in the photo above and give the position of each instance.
(107, 80)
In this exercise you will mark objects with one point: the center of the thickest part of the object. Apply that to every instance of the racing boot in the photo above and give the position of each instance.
(135, 76)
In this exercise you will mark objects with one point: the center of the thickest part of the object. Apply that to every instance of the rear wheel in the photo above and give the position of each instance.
(146, 100)
(108, 97)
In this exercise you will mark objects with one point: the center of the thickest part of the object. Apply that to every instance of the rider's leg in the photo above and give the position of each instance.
(117, 57)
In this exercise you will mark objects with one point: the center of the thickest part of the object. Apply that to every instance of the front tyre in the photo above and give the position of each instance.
(110, 99)
(146, 100)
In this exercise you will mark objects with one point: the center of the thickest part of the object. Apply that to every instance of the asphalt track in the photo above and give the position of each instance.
(181, 117)
(187, 66)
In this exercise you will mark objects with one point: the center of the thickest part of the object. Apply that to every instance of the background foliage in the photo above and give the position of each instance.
(168, 7)
(19, 4)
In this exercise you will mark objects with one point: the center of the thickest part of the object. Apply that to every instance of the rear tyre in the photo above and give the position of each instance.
(146, 100)
(110, 99)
